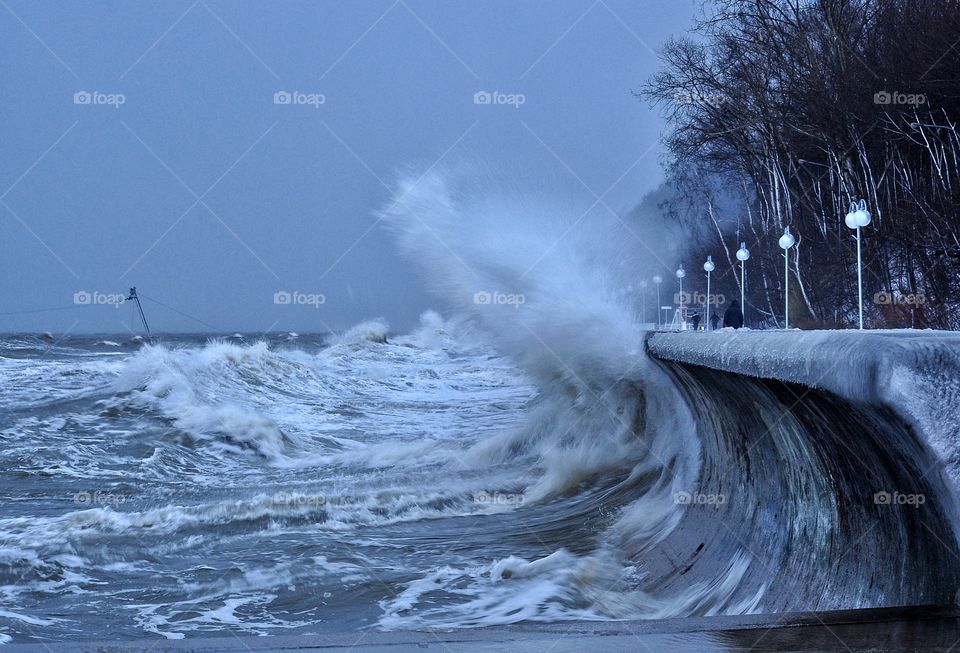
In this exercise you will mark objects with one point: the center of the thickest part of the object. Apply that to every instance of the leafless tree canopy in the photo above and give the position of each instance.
(797, 107)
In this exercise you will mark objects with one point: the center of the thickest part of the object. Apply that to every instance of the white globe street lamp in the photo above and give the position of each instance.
(742, 255)
(680, 275)
(657, 279)
(858, 216)
(786, 242)
(708, 266)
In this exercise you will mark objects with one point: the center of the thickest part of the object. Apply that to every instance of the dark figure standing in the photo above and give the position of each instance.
(714, 319)
(733, 317)
(695, 318)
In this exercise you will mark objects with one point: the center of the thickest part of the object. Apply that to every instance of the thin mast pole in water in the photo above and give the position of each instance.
(143, 318)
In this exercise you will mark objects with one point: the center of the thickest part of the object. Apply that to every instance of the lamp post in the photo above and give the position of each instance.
(742, 255)
(786, 242)
(858, 216)
(657, 279)
(643, 301)
(680, 275)
(708, 266)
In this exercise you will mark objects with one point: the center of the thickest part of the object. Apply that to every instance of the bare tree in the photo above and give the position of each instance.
(797, 108)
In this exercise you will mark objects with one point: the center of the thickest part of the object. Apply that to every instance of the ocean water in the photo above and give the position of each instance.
(521, 459)
(275, 485)
(285, 484)
(300, 485)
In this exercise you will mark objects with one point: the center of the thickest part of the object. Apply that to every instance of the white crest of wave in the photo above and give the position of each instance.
(558, 587)
(546, 281)
(365, 332)
(189, 388)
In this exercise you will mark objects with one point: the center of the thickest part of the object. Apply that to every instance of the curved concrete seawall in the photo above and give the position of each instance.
(914, 373)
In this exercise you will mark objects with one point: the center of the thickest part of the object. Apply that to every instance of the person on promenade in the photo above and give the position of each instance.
(733, 317)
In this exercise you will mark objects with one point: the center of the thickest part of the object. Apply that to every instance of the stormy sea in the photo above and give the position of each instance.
(517, 458)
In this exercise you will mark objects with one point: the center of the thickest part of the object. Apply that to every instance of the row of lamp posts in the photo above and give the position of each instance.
(857, 216)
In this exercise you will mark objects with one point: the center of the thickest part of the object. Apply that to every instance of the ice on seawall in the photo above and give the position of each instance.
(915, 373)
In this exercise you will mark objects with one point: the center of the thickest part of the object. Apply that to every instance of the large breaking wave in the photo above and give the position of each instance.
(744, 495)
(523, 460)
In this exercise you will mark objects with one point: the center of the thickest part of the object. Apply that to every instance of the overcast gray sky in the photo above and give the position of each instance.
(142, 144)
